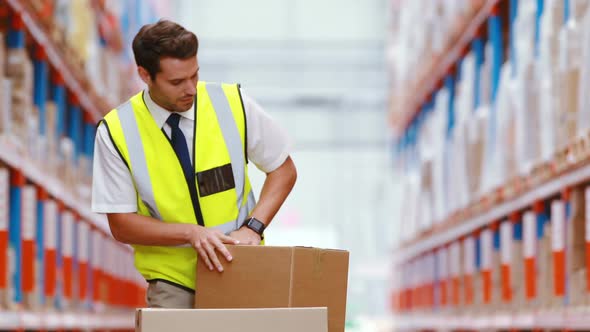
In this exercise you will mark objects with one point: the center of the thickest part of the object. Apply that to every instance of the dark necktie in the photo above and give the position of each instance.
(180, 147)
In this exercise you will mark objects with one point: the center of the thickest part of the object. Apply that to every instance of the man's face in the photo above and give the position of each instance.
(175, 85)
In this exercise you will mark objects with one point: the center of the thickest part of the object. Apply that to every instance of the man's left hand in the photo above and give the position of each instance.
(246, 236)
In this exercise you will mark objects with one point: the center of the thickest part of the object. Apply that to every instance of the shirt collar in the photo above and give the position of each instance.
(160, 114)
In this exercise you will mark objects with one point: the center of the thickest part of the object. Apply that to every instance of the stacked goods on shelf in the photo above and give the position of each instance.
(525, 88)
(49, 262)
(440, 287)
(98, 270)
(491, 122)
(487, 245)
(568, 77)
(469, 264)
(52, 250)
(517, 253)
(545, 259)
(557, 261)
(19, 70)
(576, 249)
(5, 95)
(477, 279)
(14, 263)
(584, 98)
(455, 276)
(4, 224)
(530, 261)
(82, 252)
(495, 299)
(30, 296)
(420, 31)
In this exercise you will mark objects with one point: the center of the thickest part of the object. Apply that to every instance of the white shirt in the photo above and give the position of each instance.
(112, 185)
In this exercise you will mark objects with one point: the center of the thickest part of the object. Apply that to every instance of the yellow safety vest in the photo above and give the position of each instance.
(220, 162)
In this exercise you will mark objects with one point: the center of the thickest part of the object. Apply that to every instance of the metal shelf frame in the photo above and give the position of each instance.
(438, 67)
(33, 171)
(73, 78)
(570, 319)
(496, 213)
(31, 320)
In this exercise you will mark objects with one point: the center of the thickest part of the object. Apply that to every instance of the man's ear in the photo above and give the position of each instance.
(144, 75)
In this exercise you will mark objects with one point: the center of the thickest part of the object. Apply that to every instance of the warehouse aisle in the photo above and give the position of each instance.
(318, 68)
(490, 118)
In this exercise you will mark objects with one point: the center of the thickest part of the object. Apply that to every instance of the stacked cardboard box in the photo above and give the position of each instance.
(230, 320)
(517, 277)
(67, 168)
(51, 154)
(278, 277)
(6, 110)
(4, 219)
(475, 150)
(576, 249)
(545, 268)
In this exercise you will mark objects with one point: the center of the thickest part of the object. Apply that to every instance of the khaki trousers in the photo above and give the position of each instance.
(161, 294)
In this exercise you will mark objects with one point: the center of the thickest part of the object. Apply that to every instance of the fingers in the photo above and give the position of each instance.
(213, 256)
(227, 239)
(203, 255)
(222, 249)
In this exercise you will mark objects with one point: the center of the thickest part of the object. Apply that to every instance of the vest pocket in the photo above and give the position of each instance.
(215, 180)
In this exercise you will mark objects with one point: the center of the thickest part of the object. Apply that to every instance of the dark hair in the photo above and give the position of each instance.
(163, 39)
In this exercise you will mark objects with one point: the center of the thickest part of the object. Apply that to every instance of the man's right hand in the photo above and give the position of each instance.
(206, 241)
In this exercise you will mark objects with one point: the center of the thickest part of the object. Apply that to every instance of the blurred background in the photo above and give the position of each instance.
(317, 67)
(444, 143)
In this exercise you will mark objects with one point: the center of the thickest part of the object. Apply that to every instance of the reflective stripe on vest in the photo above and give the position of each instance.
(231, 134)
(137, 157)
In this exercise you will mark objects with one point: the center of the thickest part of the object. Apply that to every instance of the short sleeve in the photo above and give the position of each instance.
(268, 145)
(112, 186)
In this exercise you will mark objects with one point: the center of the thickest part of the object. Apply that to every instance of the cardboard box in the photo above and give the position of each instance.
(278, 277)
(545, 269)
(232, 320)
(517, 277)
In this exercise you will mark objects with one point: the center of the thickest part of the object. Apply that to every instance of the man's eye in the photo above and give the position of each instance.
(176, 82)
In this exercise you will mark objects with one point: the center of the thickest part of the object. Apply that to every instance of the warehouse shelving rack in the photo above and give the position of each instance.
(74, 79)
(566, 320)
(79, 87)
(554, 179)
(432, 73)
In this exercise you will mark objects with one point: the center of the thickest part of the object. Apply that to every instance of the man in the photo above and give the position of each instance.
(170, 167)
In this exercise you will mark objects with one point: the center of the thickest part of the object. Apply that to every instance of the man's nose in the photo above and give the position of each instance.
(189, 88)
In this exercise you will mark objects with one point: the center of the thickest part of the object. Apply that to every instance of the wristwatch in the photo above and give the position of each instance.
(255, 225)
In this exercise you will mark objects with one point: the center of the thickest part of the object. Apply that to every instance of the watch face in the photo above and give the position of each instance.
(255, 225)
